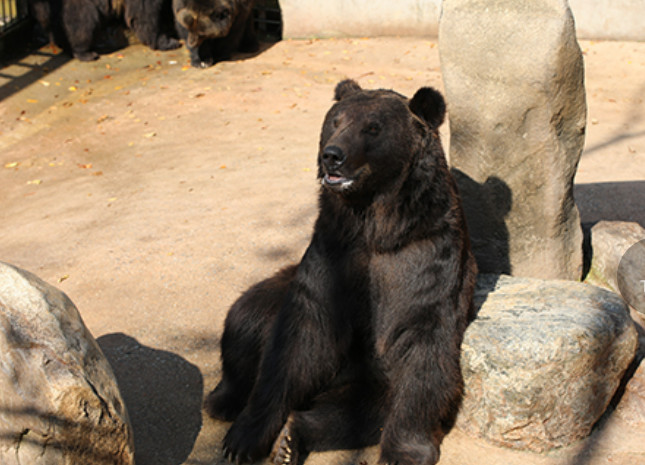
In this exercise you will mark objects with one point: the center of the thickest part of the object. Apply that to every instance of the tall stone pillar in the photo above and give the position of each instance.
(514, 83)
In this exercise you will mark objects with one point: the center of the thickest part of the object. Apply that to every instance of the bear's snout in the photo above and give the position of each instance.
(333, 157)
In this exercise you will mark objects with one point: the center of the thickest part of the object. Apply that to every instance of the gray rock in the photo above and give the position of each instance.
(542, 360)
(514, 83)
(59, 401)
(618, 260)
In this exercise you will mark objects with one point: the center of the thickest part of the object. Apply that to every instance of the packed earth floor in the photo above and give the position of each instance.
(153, 193)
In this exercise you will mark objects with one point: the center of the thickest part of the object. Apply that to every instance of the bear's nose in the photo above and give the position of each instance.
(333, 156)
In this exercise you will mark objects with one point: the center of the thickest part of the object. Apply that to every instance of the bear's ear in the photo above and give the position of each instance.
(346, 88)
(428, 104)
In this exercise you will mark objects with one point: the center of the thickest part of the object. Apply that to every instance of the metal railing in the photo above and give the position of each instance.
(12, 14)
(268, 20)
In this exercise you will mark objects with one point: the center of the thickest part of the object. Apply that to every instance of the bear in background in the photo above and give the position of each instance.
(153, 23)
(214, 29)
(78, 26)
(359, 343)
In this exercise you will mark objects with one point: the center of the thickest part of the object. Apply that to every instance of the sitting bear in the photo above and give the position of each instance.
(214, 29)
(359, 343)
(75, 25)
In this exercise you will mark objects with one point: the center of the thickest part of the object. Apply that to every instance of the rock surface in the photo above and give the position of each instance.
(632, 405)
(516, 101)
(618, 260)
(59, 402)
(542, 360)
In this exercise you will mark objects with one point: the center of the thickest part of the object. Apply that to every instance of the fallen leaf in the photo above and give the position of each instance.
(11, 164)
(63, 278)
(150, 134)
(35, 181)
(32, 100)
(97, 173)
(73, 88)
(84, 166)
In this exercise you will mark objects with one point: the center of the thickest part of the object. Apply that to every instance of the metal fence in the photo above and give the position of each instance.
(268, 20)
(12, 14)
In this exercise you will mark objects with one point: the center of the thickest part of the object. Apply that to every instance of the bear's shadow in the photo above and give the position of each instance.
(163, 393)
(486, 206)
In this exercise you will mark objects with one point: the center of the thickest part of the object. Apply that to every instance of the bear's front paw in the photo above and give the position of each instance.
(223, 403)
(246, 441)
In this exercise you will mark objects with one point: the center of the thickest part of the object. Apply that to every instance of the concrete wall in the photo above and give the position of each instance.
(595, 19)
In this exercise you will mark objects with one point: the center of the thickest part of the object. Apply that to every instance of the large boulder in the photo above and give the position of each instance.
(542, 360)
(59, 401)
(514, 84)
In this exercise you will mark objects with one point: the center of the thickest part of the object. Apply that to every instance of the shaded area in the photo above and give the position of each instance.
(485, 207)
(611, 201)
(163, 393)
(20, 73)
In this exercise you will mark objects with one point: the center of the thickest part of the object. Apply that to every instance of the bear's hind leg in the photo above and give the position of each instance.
(81, 19)
(246, 330)
(347, 416)
(249, 42)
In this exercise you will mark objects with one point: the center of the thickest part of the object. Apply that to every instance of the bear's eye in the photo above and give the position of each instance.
(335, 122)
(221, 15)
(373, 129)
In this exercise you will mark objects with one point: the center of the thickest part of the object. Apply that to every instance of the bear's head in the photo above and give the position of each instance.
(205, 19)
(370, 138)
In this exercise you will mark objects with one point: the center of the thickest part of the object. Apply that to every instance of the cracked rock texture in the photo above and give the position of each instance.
(59, 401)
(542, 360)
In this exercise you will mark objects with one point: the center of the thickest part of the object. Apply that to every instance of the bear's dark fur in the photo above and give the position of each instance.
(76, 25)
(359, 343)
(214, 29)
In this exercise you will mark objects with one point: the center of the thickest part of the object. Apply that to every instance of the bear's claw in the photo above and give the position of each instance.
(285, 451)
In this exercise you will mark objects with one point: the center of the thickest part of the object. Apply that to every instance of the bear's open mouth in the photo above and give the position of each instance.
(336, 181)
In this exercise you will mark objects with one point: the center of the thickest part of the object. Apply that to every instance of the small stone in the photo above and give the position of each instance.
(618, 260)
(542, 360)
(59, 401)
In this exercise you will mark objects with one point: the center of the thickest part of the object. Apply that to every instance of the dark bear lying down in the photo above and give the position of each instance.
(359, 343)
(75, 25)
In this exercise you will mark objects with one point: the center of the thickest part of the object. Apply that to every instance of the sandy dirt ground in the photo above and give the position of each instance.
(153, 194)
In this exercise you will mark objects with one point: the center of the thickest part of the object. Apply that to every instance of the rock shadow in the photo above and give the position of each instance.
(486, 206)
(607, 201)
(163, 393)
(611, 201)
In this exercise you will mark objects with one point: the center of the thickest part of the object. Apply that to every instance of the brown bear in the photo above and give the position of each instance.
(214, 29)
(76, 25)
(359, 343)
